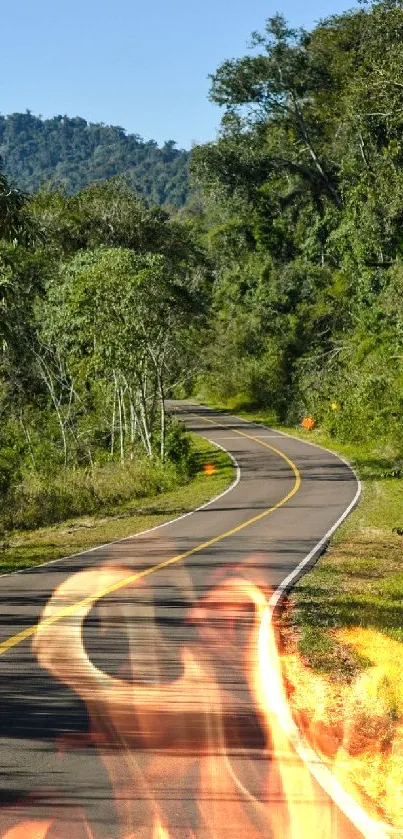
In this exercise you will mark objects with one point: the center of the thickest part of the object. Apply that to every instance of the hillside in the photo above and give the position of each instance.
(71, 153)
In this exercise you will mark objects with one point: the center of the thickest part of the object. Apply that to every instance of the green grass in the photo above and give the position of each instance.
(359, 581)
(27, 548)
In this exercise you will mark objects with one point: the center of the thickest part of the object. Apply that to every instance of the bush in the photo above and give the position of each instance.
(178, 447)
(9, 468)
(359, 399)
(40, 500)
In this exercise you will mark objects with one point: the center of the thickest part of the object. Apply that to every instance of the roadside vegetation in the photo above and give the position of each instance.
(303, 209)
(358, 582)
(102, 302)
(343, 635)
(128, 500)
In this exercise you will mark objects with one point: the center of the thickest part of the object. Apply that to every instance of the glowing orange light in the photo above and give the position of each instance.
(31, 829)
(50, 829)
(160, 832)
(308, 423)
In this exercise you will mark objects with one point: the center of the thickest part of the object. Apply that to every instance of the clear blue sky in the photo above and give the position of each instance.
(141, 64)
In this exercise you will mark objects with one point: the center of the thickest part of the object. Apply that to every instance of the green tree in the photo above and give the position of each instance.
(126, 316)
(303, 197)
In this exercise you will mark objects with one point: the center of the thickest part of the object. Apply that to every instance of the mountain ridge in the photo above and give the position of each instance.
(69, 153)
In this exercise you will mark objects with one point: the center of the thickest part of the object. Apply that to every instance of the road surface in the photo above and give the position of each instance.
(135, 710)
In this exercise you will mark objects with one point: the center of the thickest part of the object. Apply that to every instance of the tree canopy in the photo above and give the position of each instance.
(303, 191)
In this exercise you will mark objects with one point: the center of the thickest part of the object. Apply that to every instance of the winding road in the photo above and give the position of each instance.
(142, 706)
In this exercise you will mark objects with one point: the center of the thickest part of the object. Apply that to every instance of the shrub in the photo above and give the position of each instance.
(178, 447)
(40, 500)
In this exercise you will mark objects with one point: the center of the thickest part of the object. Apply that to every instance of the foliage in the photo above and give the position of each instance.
(303, 215)
(101, 302)
(26, 548)
(40, 500)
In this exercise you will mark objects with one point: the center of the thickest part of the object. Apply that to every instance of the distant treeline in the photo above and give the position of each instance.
(70, 153)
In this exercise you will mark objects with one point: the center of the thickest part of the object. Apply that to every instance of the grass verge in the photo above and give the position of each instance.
(342, 633)
(28, 548)
(359, 581)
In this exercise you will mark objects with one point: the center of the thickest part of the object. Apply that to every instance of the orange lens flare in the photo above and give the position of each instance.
(160, 831)
(50, 829)
(28, 830)
(308, 423)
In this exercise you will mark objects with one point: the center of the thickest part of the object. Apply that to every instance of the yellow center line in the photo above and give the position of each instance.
(74, 608)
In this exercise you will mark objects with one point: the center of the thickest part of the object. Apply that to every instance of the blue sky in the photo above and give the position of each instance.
(141, 65)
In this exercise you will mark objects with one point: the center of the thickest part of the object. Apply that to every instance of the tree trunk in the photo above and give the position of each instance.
(142, 380)
(162, 417)
(28, 439)
(121, 430)
(301, 121)
(113, 422)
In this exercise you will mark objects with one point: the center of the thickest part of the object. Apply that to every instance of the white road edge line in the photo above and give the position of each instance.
(232, 486)
(368, 827)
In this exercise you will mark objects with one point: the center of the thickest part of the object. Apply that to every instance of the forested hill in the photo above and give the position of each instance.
(70, 153)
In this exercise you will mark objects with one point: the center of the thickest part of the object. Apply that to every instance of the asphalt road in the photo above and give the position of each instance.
(133, 711)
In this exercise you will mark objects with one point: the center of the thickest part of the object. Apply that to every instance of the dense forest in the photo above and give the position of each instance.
(278, 285)
(101, 301)
(69, 154)
(303, 220)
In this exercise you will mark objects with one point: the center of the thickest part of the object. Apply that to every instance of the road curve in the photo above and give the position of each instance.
(131, 711)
